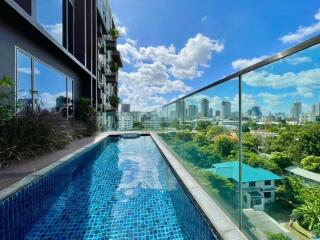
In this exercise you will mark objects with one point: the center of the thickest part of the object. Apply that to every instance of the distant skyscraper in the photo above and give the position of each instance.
(225, 111)
(193, 111)
(180, 109)
(125, 107)
(296, 110)
(316, 109)
(210, 112)
(205, 107)
(217, 113)
(255, 112)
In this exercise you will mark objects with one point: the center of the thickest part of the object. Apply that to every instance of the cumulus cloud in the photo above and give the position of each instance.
(55, 31)
(122, 29)
(243, 63)
(161, 70)
(27, 70)
(302, 31)
(298, 60)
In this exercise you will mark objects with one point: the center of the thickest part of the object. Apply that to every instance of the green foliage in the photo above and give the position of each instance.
(250, 142)
(114, 67)
(225, 187)
(308, 215)
(114, 101)
(277, 236)
(138, 126)
(245, 128)
(202, 125)
(213, 130)
(184, 136)
(87, 114)
(281, 159)
(308, 139)
(6, 95)
(311, 163)
(224, 145)
(33, 134)
(114, 33)
(200, 138)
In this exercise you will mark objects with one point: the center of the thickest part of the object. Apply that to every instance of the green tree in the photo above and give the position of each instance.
(224, 144)
(225, 187)
(277, 236)
(138, 126)
(215, 130)
(308, 214)
(281, 159)
(311, 163)
(202, 125)
(6, 95)
(201, 139)
(308, 139)
(250, 142)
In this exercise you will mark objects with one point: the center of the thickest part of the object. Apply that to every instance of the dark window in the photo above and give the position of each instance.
(26, 5)
(268, 182)
(252, 184)
(70, 27)
(267, 194)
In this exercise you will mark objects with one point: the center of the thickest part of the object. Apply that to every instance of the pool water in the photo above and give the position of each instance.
(125, 190)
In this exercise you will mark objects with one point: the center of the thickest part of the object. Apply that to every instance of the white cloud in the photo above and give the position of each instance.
(184, 64)
(298, 60)
(303, 31)
(204, 18)
(55, 31)
(27, 70)
(271, 99)
(49, 100)
(243, 63)
(160, 70)
(122, 29)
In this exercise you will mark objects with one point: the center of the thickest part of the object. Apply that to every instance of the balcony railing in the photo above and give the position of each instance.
(243, 132)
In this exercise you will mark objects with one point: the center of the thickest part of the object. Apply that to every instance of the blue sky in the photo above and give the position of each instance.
(223, 36)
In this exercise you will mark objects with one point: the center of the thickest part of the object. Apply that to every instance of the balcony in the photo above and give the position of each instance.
(117, 58)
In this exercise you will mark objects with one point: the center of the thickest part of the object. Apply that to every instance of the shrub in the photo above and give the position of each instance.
(114, 101)
(278, 236)
(87, 114)
(6, 94)
(311, 163)
(114, 33)
(33, 134)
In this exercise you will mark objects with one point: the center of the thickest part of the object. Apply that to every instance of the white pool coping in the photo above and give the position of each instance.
(220, 221)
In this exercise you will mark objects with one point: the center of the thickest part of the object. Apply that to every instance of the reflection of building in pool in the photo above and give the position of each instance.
(258, 184)
(308, 177)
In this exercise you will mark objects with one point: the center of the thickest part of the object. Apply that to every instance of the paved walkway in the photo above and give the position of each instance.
(17, 171)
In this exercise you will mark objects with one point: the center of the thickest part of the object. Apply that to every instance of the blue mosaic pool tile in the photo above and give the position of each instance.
(121, 189)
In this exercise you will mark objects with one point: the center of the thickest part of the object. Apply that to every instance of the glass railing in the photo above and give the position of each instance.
(252, 141)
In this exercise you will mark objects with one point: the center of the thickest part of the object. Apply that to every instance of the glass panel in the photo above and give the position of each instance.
(49, 16)
(24, 84)
(281, 135)
(51, 89)
(206, 142)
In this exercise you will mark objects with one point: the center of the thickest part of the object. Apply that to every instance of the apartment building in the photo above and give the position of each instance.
(59, 51)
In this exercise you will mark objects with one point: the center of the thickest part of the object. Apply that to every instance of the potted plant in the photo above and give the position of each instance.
(114, 33)
(114, 101)
(113, 66)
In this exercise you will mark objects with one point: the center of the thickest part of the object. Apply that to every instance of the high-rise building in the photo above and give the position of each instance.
(255, 112)
(316, 109)
(210, 113)
(225, 111)
(204, 107)
(125, 121)
(125, 107)
(192, 111)
(180, 109)
(79, 56)
(217, 113)
(296, 110)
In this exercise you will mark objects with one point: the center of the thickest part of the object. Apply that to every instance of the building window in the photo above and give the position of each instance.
(252, 184)
(268, 182)
(24, 82)
(40, 87)
(49, 16)
(267, 194)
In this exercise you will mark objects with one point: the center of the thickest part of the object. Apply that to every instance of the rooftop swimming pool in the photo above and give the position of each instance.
(118, 189)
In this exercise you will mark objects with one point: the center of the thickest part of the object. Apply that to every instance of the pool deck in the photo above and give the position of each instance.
(19, 175)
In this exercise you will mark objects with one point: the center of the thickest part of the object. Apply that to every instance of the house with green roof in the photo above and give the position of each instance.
(258, 184)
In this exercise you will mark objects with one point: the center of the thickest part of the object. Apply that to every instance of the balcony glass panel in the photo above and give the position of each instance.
(281, 131)
(49, 16)
(203, 132)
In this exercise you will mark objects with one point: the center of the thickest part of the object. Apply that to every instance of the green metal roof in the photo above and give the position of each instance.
(249, 174)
